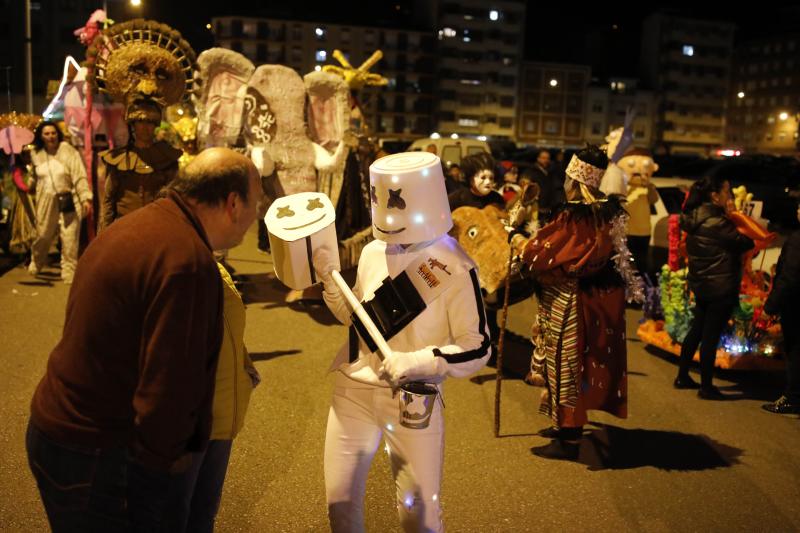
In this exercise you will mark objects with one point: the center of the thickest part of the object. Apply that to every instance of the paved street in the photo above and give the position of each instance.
(676, 464)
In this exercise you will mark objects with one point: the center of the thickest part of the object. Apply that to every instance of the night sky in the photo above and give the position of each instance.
(607, 38)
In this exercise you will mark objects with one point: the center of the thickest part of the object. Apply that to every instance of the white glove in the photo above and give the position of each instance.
(401, 367)
(324, 263)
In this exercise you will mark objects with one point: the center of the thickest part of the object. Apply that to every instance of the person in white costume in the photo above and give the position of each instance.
(449, 337)
(58, 169)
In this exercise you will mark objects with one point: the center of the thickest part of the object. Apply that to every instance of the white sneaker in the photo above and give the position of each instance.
(33, 270)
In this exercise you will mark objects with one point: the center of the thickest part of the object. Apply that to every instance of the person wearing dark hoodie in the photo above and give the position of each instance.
(715, 249)
(783, 301)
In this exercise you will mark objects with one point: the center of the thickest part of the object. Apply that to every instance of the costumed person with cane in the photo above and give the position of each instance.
(146, 66)
(583, 269)
(423, 290)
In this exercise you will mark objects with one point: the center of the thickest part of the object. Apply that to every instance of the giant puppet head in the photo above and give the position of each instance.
(143, 64)
(639, 166)
(409, 200)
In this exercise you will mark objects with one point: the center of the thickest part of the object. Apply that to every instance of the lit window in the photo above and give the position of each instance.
(688, 50)
(321, 55)
(494, 15)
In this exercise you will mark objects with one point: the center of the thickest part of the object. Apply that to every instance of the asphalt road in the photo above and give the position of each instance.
(676, 464)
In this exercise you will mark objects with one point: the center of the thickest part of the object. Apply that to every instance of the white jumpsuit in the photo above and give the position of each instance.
(364, 410)
(62, 172)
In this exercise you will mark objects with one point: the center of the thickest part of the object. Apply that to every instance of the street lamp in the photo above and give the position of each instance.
(740, 94)
(136, 3)
(554, 83)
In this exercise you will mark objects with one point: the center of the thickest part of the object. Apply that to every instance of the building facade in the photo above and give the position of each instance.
(687, 62)
(552, 104)
(607, 104)
(479, 57)
(402, 109)
(764, 97)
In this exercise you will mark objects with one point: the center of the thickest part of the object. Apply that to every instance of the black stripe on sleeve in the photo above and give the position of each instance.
(310, 262)
(481, 350)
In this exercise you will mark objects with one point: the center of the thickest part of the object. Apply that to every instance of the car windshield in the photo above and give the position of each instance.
(673, 199)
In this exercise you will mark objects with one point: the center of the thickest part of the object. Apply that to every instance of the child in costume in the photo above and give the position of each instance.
(447, 336)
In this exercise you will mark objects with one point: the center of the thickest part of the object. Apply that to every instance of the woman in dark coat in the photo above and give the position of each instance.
(715, 250)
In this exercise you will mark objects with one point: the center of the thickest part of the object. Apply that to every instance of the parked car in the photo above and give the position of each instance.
(450, 150)
(775, 181)
(671, 193)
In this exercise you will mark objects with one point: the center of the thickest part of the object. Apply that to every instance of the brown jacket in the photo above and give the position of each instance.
(135, 366)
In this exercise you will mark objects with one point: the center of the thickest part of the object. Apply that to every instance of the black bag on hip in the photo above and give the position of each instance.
(65, 202)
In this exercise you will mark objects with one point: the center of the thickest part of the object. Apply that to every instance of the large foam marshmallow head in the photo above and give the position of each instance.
(409, 200)
(299, 226)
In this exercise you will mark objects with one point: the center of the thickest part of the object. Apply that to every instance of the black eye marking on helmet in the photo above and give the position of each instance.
(373, 195)
(314, 203)
(395, 200)
(285, 212)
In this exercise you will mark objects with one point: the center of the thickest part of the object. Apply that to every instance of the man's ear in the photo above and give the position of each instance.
(231, 202)
(655, 167)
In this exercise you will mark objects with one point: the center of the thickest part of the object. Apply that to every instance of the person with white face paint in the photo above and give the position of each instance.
(444, 335)
(478, 171)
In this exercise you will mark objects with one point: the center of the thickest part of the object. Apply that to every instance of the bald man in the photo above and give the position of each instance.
(126, 397)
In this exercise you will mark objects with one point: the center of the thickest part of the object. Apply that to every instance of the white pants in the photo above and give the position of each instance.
(48, 221)
(359, 416)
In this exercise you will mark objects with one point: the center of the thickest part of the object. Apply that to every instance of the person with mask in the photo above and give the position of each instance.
(478, 173)
(446, 337)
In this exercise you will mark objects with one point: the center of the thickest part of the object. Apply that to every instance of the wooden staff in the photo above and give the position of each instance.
(500, 344)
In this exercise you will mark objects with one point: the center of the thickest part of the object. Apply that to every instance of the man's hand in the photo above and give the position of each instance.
(87, 209)
(402, 367)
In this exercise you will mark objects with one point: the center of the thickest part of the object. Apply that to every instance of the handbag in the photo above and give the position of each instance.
(65, 202)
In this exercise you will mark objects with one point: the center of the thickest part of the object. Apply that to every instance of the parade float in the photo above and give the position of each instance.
(749, 342)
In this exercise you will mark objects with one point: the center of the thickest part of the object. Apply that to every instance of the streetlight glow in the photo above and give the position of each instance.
(784, 115)
(740, 94)
(136, 3)
(554, 83)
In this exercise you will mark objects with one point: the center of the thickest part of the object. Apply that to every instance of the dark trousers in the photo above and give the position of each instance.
(790, 324)
(95, 490)
(639, 247)
(195, 495)
(709, 320)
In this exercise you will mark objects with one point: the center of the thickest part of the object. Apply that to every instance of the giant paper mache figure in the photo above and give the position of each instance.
(420, 279)
(146, 66)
